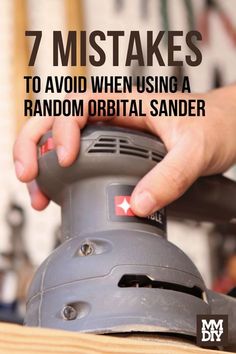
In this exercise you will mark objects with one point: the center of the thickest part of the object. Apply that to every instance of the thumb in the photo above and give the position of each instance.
(169, 179)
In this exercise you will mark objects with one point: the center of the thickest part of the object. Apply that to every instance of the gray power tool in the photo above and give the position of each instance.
(115, 272)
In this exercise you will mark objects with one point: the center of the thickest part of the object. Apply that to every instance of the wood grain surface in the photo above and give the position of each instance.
(16, 339)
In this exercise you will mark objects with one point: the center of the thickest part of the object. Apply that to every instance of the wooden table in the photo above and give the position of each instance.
(15, 339)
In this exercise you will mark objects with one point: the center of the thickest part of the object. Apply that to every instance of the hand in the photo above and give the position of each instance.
(196, 147)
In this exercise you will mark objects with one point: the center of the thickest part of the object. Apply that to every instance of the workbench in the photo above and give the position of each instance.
(16, 339)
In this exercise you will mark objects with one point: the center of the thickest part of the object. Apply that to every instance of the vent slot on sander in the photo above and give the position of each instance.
(124, 147)
(144, 281)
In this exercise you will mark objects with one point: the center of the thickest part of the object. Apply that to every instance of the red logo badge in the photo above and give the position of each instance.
(122, 205)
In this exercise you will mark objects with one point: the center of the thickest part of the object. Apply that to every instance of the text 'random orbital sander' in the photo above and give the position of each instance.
(115, 272)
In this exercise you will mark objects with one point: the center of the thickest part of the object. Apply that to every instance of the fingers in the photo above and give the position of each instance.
(168, 180)
(66, 134)
(66, 137)
(38, 200)
(25, 158)
(25, 151)
(66, 131)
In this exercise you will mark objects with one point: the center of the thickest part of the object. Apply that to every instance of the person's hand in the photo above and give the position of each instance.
(196, 147)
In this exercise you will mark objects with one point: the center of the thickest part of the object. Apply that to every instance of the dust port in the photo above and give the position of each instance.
(144, 281)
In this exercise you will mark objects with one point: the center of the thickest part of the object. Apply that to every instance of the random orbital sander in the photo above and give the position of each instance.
(114, 272)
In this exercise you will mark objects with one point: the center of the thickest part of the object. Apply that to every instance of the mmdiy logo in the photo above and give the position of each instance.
(212, 330)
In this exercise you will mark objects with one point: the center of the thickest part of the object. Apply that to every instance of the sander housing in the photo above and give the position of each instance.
(115, 272)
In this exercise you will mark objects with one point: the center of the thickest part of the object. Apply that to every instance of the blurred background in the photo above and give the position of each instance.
(27, 236)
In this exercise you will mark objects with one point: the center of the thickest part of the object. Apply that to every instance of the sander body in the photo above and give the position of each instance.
(115, 272)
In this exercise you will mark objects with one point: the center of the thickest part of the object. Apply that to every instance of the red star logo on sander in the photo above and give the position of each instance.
(122, 205)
